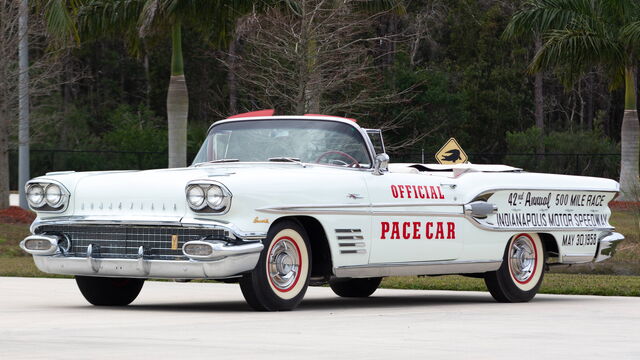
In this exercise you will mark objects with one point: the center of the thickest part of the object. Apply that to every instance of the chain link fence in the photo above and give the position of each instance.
(43, 161)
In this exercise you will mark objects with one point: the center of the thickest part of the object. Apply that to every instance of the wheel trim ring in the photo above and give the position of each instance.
(298, 272)
(535, 260)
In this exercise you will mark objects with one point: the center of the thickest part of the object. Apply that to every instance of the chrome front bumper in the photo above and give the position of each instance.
(607, 246)
(224, 258)
(141, 268)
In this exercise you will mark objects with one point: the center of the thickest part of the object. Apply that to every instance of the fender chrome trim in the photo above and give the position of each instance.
(607, 245)
(143, 268)
(417, 268)
(192, 223)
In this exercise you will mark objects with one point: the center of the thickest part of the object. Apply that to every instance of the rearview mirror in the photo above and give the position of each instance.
(381, 164)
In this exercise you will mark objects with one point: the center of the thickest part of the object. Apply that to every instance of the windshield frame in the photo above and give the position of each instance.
(361, 131)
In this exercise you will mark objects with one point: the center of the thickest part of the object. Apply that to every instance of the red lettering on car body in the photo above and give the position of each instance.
(427, 230)
(451, 230)
(385, 229)
(408, 187)
(415, 192)
(408, 230)
(439, 231)
(416, 230)
(405, 230)
(395, 231)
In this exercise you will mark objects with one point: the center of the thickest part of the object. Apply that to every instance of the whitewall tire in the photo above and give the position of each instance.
(522, 271)
(281, 277)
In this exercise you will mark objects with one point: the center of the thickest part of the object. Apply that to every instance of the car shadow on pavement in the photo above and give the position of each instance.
(333, 303)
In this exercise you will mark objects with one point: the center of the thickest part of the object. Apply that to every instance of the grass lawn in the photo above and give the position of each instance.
(573, 284)
(617, 276)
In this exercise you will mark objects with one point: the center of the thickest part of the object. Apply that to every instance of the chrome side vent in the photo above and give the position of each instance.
(351, 241)
(480, 209)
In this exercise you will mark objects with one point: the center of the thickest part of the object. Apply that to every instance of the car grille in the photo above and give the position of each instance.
(125, 241)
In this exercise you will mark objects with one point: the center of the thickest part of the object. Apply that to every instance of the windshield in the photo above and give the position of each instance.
(310, 141)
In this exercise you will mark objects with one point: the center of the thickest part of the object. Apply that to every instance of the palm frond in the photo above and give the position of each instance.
(539, 16)
(631, 36)
(576, 51)
(60, 18)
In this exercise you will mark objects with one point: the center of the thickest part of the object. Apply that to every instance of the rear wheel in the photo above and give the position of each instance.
(281, 277)
(355, 287)
(520, 275)
(101, 291)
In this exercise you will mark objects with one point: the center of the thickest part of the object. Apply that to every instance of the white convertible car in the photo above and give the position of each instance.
(278, 203)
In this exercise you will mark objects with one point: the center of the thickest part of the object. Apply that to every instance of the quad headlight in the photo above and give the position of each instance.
(46, 196)
(195, 197)
(208, 196)
(35, 195)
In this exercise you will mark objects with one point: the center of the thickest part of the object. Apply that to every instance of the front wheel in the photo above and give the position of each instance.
(281, 277)
(520, 275)
(355, 287)
(101, 291)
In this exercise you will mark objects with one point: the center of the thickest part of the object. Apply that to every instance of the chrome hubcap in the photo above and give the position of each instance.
(284, 264)
(522, 259)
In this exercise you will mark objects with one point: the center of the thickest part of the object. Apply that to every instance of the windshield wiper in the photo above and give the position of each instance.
(286, 159)
(218, 161)
(223, 160)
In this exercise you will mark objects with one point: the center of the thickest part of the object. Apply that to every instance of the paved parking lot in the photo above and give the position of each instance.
(48, 318)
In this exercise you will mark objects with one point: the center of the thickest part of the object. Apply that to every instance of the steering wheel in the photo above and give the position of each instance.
(354, 162)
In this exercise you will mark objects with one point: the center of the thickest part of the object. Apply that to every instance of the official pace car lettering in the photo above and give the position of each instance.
(416, 192)
(415, 230)
(551, 209)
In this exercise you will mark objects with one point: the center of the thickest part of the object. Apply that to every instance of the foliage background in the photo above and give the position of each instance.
(465, 82)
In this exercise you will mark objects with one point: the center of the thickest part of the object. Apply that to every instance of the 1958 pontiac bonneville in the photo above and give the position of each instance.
(278, 203)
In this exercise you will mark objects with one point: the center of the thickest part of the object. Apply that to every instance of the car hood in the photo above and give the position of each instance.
(161, 193)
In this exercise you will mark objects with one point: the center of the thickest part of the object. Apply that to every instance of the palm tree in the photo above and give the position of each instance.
(136, 20)
(581, 34)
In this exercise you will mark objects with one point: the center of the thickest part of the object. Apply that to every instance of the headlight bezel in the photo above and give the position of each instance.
(207, 206)
(45, 205)
(50, 189)
(203, 197)
(28, 191)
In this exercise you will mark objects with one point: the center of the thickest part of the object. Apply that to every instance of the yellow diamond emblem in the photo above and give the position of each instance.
(451, 153)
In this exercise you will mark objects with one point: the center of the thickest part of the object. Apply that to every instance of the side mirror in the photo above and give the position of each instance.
(381, 164)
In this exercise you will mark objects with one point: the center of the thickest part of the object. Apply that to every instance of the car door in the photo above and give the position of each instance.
(414, 218)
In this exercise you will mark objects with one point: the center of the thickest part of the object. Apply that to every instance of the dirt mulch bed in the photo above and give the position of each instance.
(624, 205)
(16, 215)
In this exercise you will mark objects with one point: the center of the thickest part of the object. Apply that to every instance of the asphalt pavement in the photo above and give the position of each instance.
(49, 319)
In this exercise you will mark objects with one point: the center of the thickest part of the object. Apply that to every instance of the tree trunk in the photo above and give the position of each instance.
(147, 79)
(4, 157)
(232, 82)
(589, 112)
(630, 133)
(177, 111)
(177, 104)
(538, 95)
(23, 104)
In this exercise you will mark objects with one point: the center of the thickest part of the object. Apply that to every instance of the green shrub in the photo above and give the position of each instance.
(566, 152)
